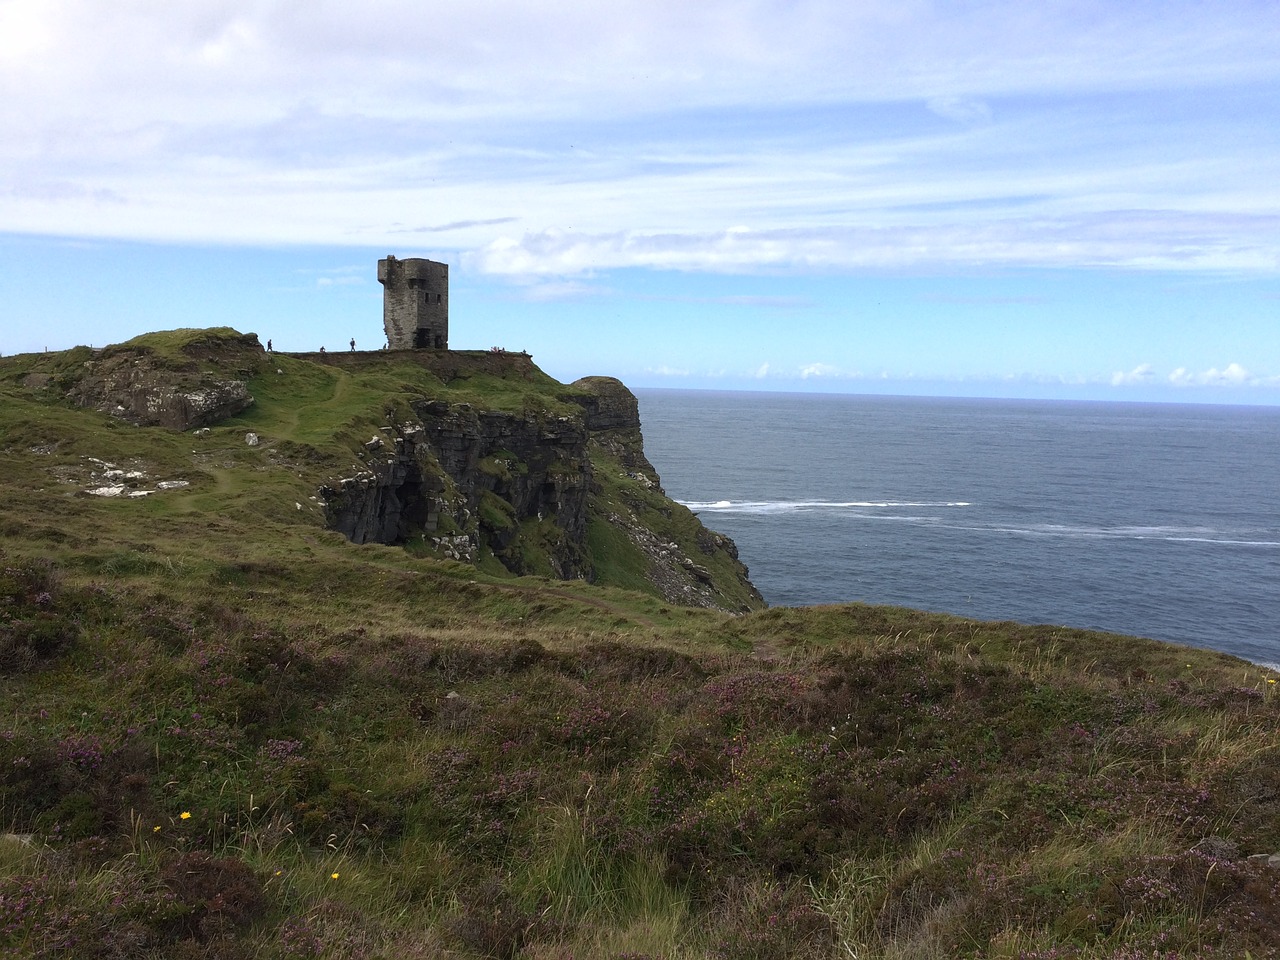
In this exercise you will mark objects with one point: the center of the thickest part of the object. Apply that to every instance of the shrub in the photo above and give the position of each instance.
(33, 626)
(491, 923)
(221, 894)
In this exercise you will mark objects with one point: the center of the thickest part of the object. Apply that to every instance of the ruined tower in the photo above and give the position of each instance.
(415, 303)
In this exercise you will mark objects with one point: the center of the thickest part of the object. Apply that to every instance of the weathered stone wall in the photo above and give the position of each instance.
(415, 303)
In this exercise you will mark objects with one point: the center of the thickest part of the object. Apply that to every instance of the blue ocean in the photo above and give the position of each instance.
(1159, 520)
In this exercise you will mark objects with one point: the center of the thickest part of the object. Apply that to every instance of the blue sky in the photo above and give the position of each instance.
(993, 198)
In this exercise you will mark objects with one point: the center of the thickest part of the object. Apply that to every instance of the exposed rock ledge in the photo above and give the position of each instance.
(523, 489)
(180, 392)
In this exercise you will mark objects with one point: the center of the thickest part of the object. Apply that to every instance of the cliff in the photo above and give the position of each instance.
(475, 457)
(560, 487)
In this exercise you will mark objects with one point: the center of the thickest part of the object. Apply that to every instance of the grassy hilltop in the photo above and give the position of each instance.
(229, 732)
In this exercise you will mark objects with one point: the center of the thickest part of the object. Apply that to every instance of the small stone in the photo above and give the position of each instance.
(251, 439)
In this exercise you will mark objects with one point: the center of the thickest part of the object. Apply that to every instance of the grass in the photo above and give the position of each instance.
(381, 755)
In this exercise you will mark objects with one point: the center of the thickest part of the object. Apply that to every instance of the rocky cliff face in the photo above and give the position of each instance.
(528, 489)
(189, 389)
(461, 480)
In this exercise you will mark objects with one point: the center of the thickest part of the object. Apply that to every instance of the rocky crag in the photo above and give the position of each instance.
(198, 385)
(472, 457)
(541, 491)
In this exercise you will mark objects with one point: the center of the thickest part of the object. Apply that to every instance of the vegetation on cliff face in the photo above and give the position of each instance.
(232, 733)
(475, 456)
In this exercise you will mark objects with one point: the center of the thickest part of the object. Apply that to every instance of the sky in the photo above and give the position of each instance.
(972, 197)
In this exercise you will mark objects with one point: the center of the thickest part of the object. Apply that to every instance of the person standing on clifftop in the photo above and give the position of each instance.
(268, 346)
(353, 344)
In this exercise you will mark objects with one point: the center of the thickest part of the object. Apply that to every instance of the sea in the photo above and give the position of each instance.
(1155, 520)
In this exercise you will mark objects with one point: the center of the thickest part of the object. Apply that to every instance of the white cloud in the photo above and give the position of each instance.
(818, 370)
(1232, 375)
(761, 371)
(635, 133)
(961, 109)
(1141, 374)
(553, 290)
(666, 371)
(1177, 242)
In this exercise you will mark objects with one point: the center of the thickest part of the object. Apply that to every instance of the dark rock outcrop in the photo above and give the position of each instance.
(456, 474)
(522, 488)
(613, 418)
(203, 384)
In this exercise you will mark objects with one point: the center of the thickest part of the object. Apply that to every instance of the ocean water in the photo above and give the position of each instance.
(1157, 520)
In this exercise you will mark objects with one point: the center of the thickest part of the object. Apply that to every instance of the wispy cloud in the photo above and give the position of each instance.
(536, 290)
(344, 276)
(457, 225)
(1128, 239)
(845, 136)
(961, 109)
(754, 301)
(981, 301)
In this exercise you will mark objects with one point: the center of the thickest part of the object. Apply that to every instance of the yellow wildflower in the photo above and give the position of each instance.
(185, 815)
(334, 875)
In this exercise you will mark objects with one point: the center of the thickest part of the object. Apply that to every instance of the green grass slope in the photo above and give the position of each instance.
(312, 415)
(229, 733)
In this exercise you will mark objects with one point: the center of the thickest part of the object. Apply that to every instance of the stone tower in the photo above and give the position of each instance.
(415, 303)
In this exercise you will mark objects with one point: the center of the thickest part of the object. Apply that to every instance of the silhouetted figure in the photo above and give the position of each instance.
(268, 346)
(353, 344)
(322, 349)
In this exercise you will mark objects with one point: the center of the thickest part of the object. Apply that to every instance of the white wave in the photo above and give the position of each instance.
(1165, 534)
(1225, 542)
(872, 510)
(799, 506)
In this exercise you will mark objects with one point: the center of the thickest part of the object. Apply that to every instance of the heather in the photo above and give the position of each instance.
(230, 733)
(187, 775)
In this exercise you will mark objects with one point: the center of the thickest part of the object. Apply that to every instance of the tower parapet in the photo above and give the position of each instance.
(415, 303)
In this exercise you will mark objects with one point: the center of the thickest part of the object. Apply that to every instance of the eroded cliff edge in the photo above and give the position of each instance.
(560, 489)
(470, 456)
